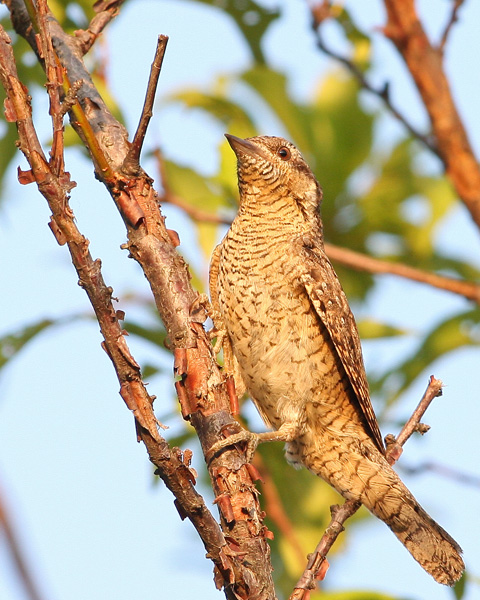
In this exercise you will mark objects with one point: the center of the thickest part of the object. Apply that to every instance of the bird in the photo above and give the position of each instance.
(291, 341)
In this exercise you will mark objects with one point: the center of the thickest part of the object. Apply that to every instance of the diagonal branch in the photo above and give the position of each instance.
(457, 4)
(14, 547)
(319, 15)
(363, 262)
(350, 258)
(106, 11)
(424, 62)
(131, 164)
(55, 187)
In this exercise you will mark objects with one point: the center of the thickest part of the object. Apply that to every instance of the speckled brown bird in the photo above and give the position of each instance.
(291, 340)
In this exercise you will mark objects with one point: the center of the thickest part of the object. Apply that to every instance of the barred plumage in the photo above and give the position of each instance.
(293, 343)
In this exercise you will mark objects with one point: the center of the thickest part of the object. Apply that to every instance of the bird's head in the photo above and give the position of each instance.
(270, 166)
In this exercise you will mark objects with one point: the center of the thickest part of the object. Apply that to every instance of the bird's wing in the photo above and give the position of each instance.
(329, 300)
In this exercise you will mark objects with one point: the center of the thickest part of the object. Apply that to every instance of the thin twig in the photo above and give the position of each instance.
(15, 549)
(350, 258)
(107, 11)
(434, 390)
(443, 471)
(363, 262)
(131, 164)
(197, 214)
(54, 87)
(450, 23)
(382, 93)
(316, 566)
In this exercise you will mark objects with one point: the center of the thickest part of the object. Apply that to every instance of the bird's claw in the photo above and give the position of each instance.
(250, 440)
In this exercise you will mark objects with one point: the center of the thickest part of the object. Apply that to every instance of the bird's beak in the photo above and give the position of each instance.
(244, 147)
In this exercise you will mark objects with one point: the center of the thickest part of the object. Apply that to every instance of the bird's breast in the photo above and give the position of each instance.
(276, 335)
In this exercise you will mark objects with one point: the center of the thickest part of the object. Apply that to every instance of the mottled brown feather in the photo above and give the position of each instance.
(329, 300)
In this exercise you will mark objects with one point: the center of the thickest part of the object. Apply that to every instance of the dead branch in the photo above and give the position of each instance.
(449, 139)
(106, 12)
(55, 187)
(131, 164)
(317, 562)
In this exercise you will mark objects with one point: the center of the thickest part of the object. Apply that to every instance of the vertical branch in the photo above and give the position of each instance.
(131, 164)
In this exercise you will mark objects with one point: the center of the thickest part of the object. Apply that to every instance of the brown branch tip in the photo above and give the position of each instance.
(132, 160)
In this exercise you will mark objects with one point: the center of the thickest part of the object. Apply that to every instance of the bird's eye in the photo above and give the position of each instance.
(284, 153)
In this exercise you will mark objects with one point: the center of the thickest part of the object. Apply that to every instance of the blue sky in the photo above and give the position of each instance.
(79, 487)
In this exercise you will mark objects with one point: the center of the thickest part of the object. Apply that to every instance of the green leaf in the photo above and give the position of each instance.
(371, 329)
(272, 87)
(361, 44)
(12, 343)
(200, 192)
(232, 115)
(149, 371)
(156, 335)
(9, 150)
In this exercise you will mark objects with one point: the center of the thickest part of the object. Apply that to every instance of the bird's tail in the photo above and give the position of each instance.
(366, 476)
(429, 544)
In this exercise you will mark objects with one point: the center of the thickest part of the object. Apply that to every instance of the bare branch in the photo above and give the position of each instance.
(450, 23)
(363, 262)
(434, 390)
(317, 562)
(15, 550)
(131, 164)
(107, 11)
(241, 560)
(319, 15)
(55, 187)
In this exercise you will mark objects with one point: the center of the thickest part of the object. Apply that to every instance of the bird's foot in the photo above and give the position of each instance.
(286, 433)
(251, 441)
